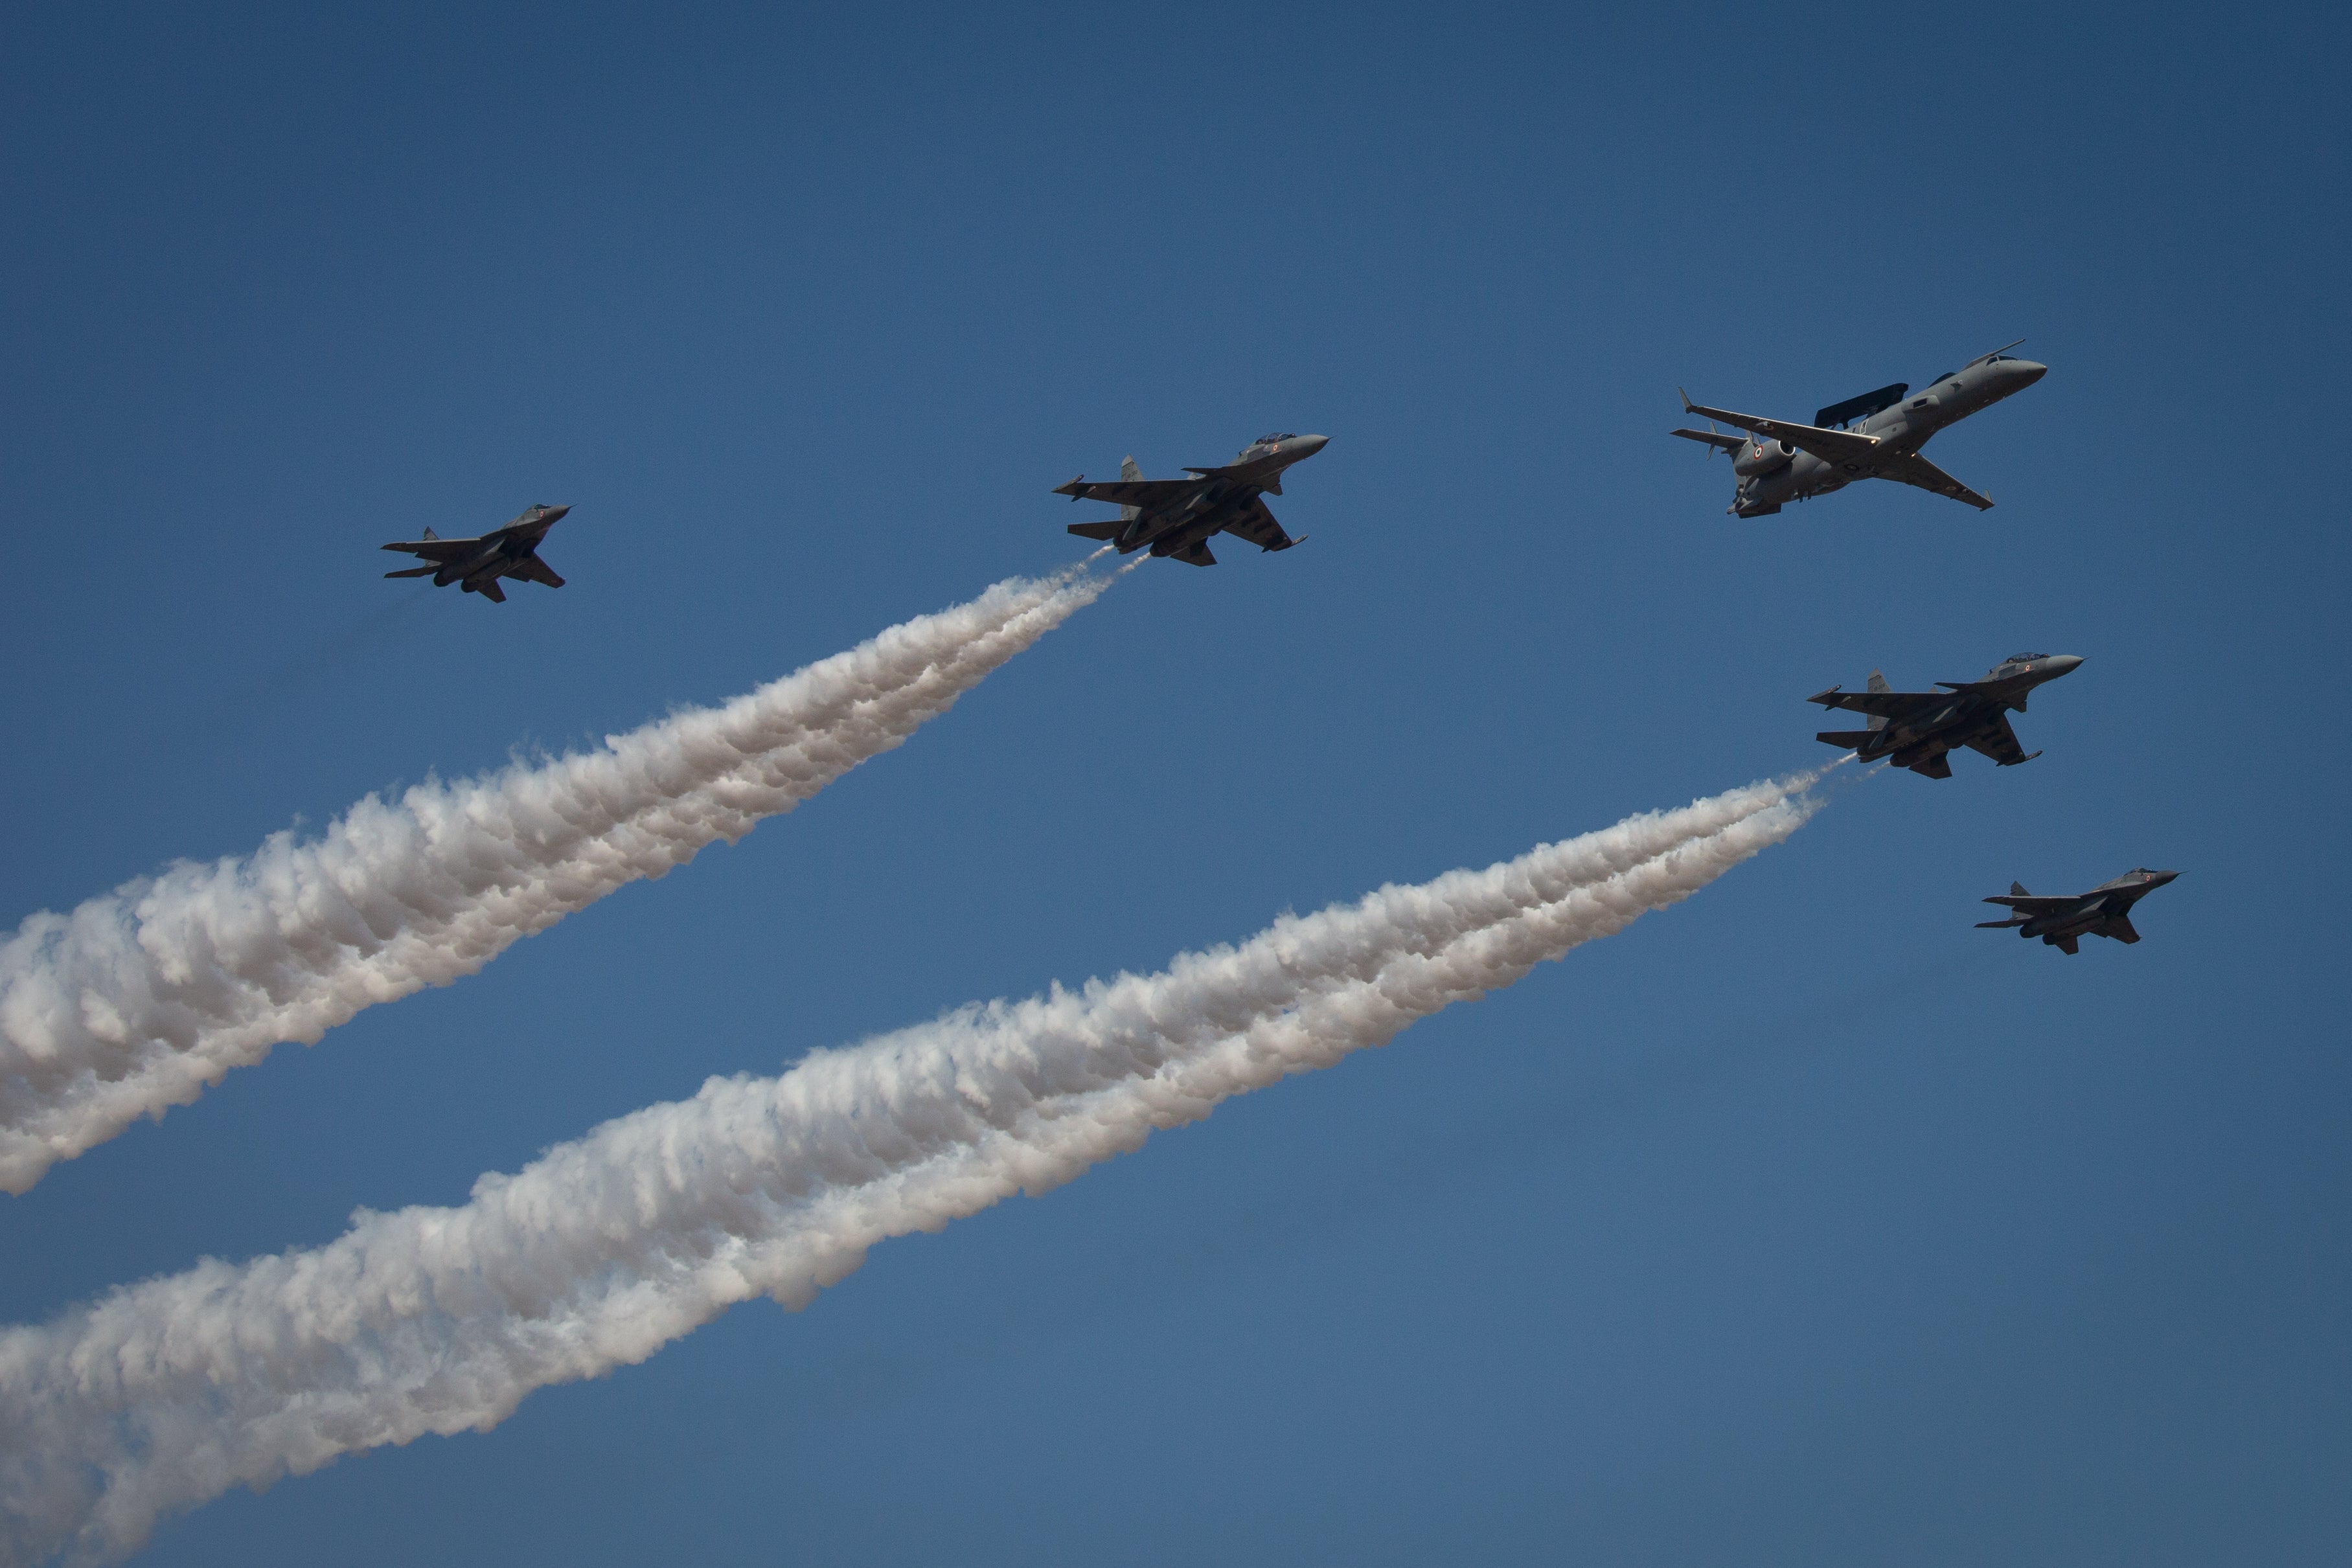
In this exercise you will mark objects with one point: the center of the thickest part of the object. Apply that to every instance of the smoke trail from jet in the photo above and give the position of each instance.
(136, 1000)
(166, 1393)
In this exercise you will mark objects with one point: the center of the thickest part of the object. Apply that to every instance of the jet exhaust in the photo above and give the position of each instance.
(135, 1001)
(166, 1393)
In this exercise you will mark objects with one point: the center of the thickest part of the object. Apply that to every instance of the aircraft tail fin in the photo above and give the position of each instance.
(1108, 528)
(1130, 471)
(1878, 684)
(2017, 890)
(431, 535)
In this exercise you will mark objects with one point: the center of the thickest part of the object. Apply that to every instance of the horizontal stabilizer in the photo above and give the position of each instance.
(425, 570)
(1108, 528)
(1714, 438)
(1996, 925)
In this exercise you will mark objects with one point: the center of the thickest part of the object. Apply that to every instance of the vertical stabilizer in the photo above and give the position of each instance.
(1878, 684)
(1130, 471)
(2017, 890)
(431, 535)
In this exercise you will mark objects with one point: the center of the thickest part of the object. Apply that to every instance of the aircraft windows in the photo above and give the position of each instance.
(1940, 381)
(2026, 658)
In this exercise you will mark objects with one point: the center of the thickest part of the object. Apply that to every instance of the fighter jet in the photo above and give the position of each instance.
(2104, 911)
(1176, 518)
(1875, 436)
(1916, 729)
(475, 565)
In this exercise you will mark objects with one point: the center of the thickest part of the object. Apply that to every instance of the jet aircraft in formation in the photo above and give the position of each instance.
(1918, 729)
(1875, 436)
(475, 565)
(2063, 922)
(1177, 518)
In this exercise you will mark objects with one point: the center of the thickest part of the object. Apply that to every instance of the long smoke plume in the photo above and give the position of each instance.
(437, 1319)
(136, 1000)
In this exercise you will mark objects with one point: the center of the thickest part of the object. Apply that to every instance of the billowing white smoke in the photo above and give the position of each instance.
(136, 1000)
(436, 1320)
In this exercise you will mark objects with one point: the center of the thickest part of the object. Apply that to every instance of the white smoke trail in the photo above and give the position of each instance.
(435, 1320)
(136, 1000)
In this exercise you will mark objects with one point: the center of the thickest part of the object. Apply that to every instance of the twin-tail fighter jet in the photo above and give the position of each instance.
(2063, 922)
(1176, 518)
(475, 565)
(1918, 729)
(1875, 436)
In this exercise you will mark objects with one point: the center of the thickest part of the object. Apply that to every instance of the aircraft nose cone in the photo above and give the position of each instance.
(556, 514)
(2025, 373)
(2158, 878)
(2064, 664)
(1308, 445)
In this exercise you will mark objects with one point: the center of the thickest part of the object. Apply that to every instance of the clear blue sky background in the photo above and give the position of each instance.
(1800, 1224)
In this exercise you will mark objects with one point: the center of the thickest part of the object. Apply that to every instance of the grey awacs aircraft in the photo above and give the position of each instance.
(475, 565)
(1176, 518)
(1875, 436)
(2063, 922)
(1918, 729)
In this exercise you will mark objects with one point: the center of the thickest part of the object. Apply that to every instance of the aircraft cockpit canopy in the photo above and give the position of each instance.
(1278, 437)
(2025, 658)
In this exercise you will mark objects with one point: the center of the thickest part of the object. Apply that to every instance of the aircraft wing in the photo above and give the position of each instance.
(1917, 471)
(1714, 438)
(1999, 743)
(438, 550)
(2030, 907)
(1254, 523)
(1886, 705)
(1842, 448)
(530, 569)
(1144, 493)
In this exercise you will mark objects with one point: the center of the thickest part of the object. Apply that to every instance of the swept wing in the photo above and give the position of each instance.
(1254, 523)
(1915, 470)
(1144, 493)
(1841, 447)
(1886, 705)
(2000, 744)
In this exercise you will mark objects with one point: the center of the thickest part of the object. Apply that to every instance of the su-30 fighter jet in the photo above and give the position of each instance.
(475, 565)
(2104, 911)
(1175, 517)
(1875, 436)
(1918, 729)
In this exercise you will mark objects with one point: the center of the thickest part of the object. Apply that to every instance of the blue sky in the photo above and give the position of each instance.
(1800, 1223)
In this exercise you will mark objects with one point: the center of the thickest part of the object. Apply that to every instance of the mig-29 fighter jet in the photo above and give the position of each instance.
(2104, 911)
(1176, 518)
(1916, 729)
(475, 565)
(1875, 436)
